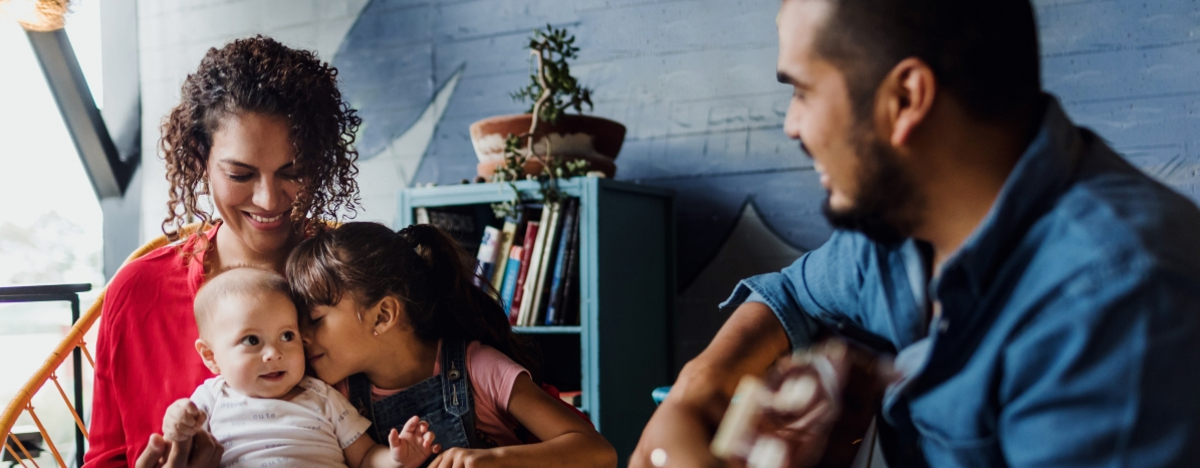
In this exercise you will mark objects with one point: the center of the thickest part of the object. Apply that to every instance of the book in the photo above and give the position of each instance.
(507, 235)
(554, 311)
(512, 269)
(570, 315)
(570, 301)
(544, 268)
(485, 260)
(531, 231)
(539, 244)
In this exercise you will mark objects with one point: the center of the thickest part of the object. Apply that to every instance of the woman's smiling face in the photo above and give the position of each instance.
(253, 181)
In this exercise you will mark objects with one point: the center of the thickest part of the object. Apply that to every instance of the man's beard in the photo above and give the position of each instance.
(887, 205)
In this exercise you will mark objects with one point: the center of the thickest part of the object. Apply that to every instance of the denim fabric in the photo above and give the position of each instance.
(1070, 326)
(444, 401)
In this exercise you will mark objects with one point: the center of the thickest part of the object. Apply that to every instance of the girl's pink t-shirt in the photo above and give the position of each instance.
(492, 377)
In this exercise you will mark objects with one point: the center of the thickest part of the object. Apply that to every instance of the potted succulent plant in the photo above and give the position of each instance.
(515, 147)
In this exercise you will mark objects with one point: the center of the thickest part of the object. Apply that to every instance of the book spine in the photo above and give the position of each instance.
(531, 231)
(543, 267)
(554, 309)
(527, 301)
(511, 270)
(486, 257)
(506, 242)
(570, 301)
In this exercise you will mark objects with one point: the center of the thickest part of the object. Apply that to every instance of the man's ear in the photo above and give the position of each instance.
(389, 313)
(906, 95)
(206, 355)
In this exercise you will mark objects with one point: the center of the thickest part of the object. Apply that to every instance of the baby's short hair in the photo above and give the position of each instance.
(236, 281)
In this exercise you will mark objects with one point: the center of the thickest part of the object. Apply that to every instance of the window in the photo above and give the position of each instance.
(50, 220)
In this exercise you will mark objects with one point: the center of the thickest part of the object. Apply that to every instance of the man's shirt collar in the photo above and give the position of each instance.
(1040, 177)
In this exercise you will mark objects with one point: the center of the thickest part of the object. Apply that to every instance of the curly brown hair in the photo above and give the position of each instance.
(261, 75)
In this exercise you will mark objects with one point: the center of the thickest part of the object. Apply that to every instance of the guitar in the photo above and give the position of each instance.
(813, 410)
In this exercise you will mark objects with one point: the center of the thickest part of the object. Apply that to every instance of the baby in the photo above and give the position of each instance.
(261, 407)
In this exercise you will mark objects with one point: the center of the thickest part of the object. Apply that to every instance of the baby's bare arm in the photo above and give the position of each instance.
(408, 448)
(182, 420)
(358, 451)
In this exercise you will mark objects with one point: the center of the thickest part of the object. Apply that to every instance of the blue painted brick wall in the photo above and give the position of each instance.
(694, 82)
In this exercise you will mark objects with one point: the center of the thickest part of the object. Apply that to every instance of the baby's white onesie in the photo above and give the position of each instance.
(310, 430)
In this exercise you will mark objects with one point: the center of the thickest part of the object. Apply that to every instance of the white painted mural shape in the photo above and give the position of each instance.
(381, 175)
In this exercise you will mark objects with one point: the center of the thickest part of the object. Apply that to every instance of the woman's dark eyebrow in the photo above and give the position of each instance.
(238, 164)
(247, 166)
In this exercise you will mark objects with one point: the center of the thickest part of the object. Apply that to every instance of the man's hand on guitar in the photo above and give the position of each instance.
(811, 411)
(679, 432)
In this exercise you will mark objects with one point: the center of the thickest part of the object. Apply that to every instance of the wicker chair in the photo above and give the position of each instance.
(22, 403)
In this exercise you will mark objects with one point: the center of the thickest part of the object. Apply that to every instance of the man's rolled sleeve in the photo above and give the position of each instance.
(770, 289)
(799, 293)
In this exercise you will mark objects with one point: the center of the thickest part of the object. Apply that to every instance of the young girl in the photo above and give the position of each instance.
(396, 321)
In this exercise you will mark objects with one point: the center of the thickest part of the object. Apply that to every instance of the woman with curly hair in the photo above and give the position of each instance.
(262, 132)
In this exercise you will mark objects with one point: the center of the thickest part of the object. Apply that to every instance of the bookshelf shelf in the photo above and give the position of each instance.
(620, 349)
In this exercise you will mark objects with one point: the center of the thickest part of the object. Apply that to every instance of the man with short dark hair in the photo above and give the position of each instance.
(1043, 294)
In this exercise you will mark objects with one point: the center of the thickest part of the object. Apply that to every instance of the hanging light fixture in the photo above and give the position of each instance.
(36, 15)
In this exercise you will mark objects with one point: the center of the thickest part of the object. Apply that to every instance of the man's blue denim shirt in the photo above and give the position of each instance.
(1070, 326)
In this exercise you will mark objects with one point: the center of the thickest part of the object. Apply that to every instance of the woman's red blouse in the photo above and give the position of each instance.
(145, 352)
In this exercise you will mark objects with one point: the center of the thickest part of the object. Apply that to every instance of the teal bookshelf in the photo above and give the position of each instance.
(621, 349)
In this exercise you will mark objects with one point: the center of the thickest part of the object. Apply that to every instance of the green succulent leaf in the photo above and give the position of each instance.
(551, 87)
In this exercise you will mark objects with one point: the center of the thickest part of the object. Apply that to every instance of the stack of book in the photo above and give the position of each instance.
(533, 263)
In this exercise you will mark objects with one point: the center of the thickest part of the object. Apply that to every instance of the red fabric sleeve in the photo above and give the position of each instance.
(145, 355)
(106, 434)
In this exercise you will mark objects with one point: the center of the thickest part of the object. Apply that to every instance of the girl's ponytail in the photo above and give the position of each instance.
(422, 266)
(467, 307)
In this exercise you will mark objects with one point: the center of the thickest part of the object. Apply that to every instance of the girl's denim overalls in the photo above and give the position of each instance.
(444, 401)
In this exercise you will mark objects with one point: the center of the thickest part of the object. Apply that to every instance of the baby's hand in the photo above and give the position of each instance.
(413, 444)
(183, 420)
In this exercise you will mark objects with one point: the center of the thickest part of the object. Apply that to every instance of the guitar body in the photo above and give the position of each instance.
(814, 411)
(862, 398)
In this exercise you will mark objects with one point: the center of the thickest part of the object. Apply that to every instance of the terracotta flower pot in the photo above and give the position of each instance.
(593, 139)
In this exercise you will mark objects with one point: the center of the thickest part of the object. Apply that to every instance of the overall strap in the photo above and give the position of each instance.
(456, 385)
(456, 390)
